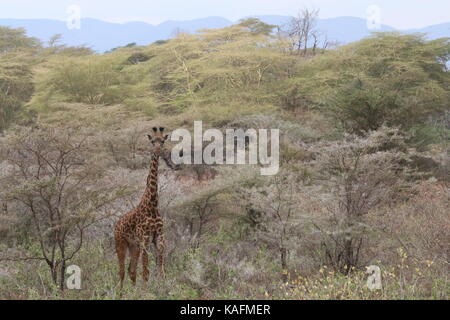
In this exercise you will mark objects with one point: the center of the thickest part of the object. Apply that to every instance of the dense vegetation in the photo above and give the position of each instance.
(364, 176)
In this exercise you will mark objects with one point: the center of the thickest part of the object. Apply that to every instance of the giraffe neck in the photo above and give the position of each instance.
(149, 201)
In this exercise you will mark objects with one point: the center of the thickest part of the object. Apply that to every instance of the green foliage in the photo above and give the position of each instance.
(138, 57)
(432, 132)
(16, 39)
(388, 78)
(214, 72)
(256, 26)
(91, 80)
(220, 75)
(16, 79)
(16, 86)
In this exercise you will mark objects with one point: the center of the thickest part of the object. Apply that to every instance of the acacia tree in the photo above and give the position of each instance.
(241, 56)
(50, 179)
(256, 26)
(200, 209)
(16, 39)
(16, 87)
(16, 78)
(272, 206)
(388, 78)
(301, 29)
(363, 174)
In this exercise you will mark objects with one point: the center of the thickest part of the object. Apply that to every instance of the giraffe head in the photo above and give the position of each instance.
(158, 139)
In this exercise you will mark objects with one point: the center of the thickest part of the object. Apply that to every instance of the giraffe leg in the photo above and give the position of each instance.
(121, 250)
(135, 251)
(160, 245)
(145, 271)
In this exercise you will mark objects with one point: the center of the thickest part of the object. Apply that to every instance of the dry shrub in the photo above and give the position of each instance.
(51, 181)
(422, 224)
(363, 174)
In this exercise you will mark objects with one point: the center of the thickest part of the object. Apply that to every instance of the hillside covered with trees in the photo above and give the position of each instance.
(364, 177)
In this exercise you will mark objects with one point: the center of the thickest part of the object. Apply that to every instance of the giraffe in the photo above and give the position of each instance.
(134, 230)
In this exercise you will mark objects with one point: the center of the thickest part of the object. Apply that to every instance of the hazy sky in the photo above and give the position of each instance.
(402, 14)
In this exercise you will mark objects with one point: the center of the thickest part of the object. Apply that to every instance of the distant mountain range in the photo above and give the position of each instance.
(102, 36)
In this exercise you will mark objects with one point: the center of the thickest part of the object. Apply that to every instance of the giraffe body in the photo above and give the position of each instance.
(135, 230)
